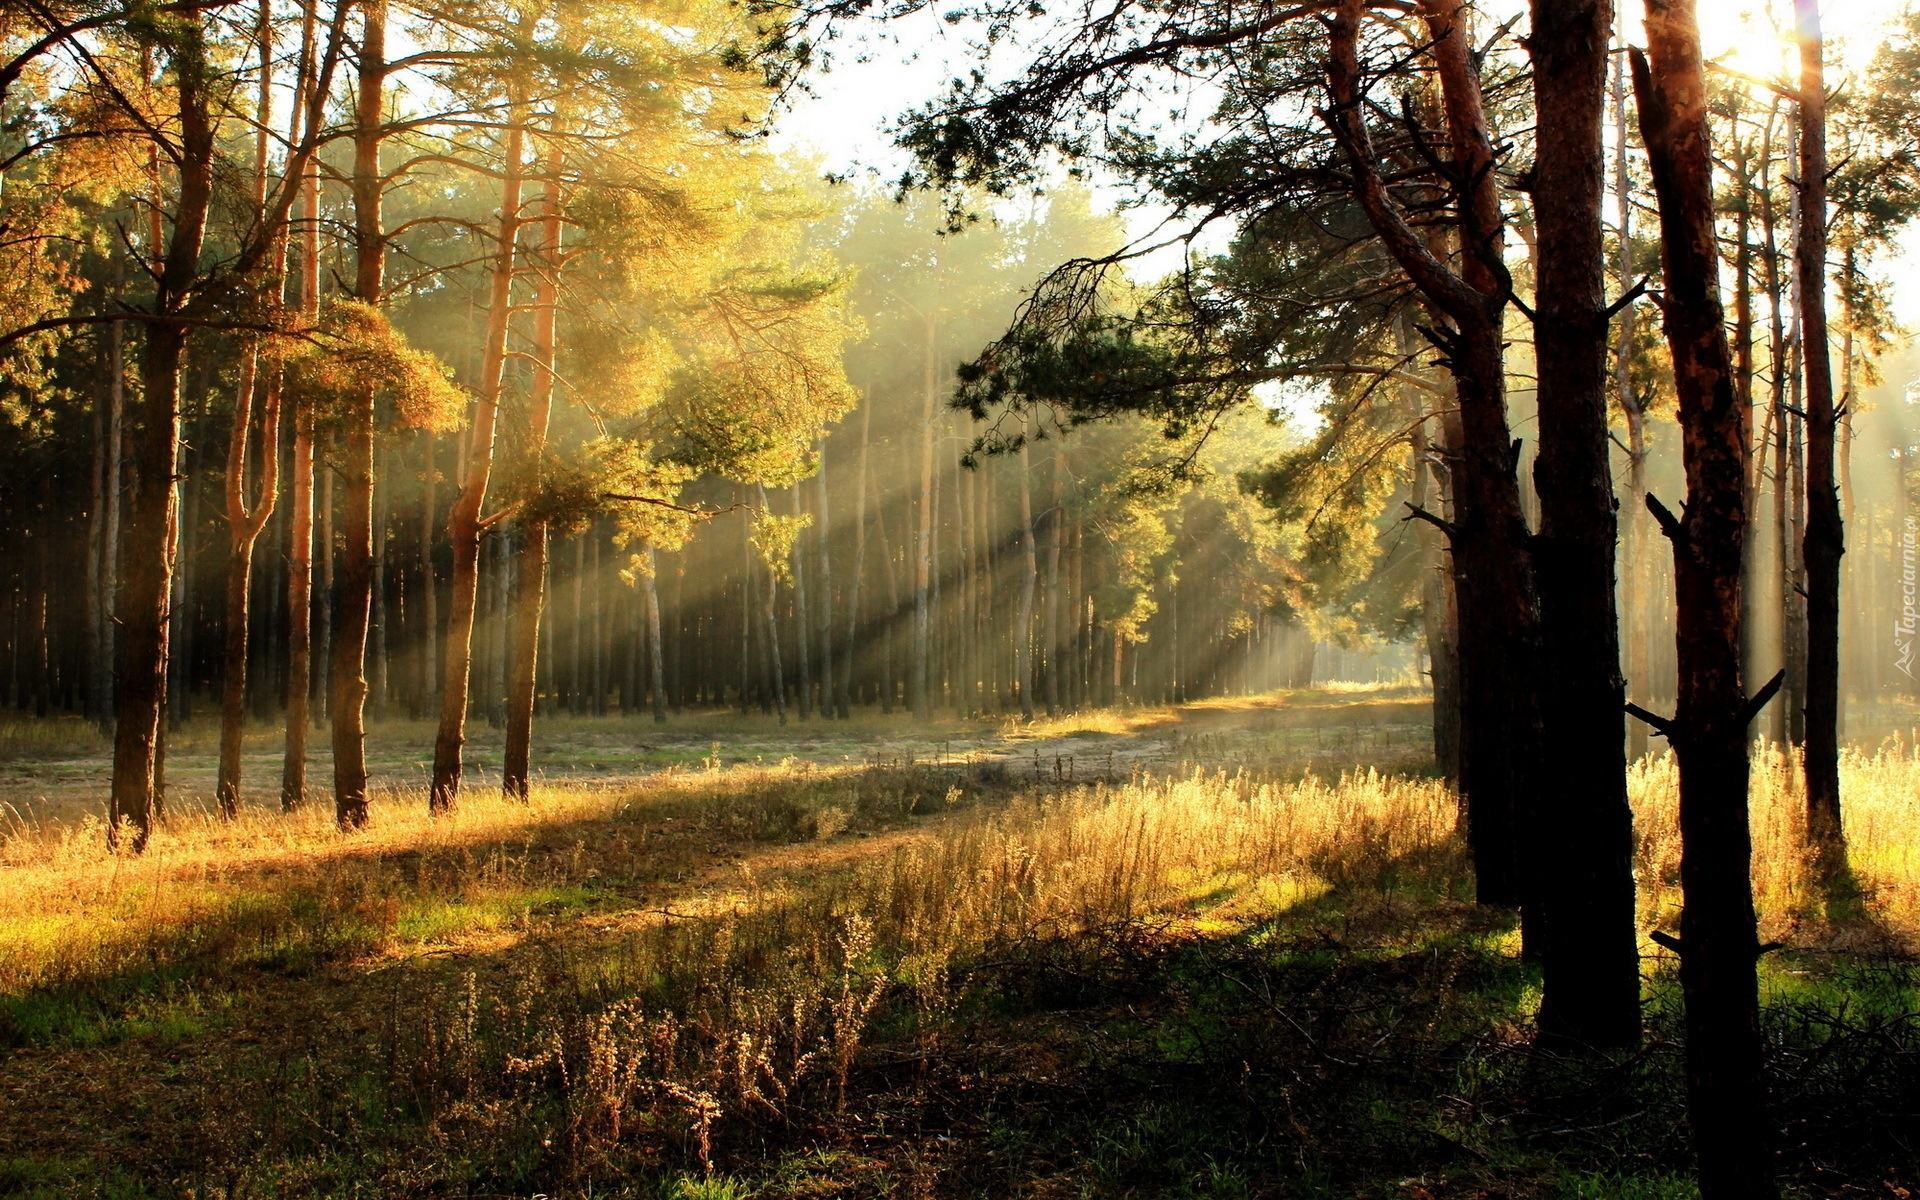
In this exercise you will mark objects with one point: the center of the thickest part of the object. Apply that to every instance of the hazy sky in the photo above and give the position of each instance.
(844, 122)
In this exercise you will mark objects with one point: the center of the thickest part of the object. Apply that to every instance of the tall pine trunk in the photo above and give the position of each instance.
(1493, 580)
(921, 698)
(1029, 581)
(1825, 536)
(1718, 941)
(656, 664)
(141, 609)
(1633, 544)
(1581, 845)
(247, 518)
(107, 579)
(861, 518)
(354, 602)
(527, 603)
(823, 598)
(293, 768)
(464, 526)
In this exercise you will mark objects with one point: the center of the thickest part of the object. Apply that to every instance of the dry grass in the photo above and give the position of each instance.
(1880, 790)
(655, 971)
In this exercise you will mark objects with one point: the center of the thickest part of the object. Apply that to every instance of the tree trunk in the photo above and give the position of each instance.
(923, 538)
(1499, 618)
(377, 681)
(889, 640)
(1781, 597)
(861, 518)
(770, 631)
(1439, 620)
(823, 572)
(347, 707)
(802, 614)
(1633, 543)
(323, 611)
(530, 565)
(102, 631)
(141, 608)
(464, 525)
(1581, 845)
(1056, 531)
(293, 769)
(428, 640)
(1825, 536)
(246, 518)
(1029, 580)
(656, 658)
(1718, 939)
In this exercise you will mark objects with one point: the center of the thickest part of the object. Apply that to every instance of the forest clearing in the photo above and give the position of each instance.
(935, 973)
(706, 599)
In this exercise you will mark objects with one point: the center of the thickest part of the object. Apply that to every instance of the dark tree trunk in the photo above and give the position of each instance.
(1718, 936)
(1499, 618)
(146, 556)
(1581, 844)
(1825, 536)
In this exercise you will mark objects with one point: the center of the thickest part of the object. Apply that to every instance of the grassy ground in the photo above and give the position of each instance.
(1182, 953)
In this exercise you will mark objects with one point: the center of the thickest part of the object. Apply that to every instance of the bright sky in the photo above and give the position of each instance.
(874, 80)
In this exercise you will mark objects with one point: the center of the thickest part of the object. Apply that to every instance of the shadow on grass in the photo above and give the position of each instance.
(164, 975)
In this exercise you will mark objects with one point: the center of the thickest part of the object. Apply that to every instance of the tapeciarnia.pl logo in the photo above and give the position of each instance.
(1905, 627)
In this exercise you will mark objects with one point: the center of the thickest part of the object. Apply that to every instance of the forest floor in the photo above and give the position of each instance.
(1220, 950)
(57, 770)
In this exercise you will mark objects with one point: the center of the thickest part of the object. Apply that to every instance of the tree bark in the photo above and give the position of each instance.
(923, 538)
(770, 630)
(1633, 545)
(146, 560)
(530, 567)
(1580, 845)
(1056, 531)
(861, 517)
(354, 601)
(1718, 937)
(1825, 535)
(464, 526)
(293, 768)
(1439, 617)
(802, 614)
(655, 652)
(1499, 617)
(247, 518)
(823, 571)
(1029, 582)
(107, 580)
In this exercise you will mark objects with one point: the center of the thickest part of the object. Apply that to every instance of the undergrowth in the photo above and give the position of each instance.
(796, 980)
